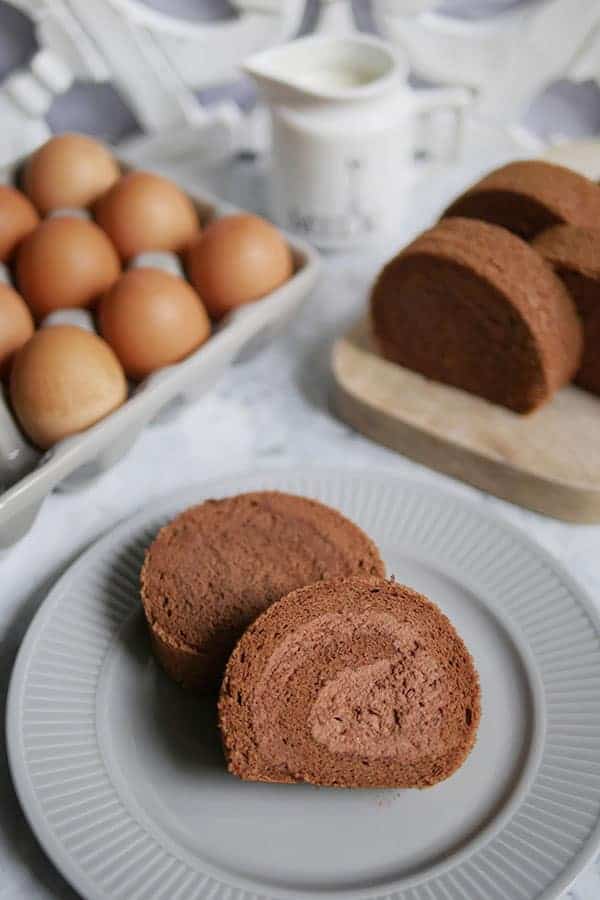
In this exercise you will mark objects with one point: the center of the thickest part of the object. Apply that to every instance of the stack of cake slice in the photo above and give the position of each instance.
(473, 304)
(333, 675)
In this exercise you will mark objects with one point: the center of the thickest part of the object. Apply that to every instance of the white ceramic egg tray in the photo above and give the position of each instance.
(80, 458)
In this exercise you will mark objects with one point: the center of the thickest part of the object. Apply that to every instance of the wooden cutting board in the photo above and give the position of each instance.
(548, 461)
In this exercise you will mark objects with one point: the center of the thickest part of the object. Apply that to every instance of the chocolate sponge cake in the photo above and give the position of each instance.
(574, 254)
(215, 567)
(474, 306)
(358, 682)
(527, 197)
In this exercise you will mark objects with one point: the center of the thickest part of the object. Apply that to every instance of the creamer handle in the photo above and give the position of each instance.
(426, 103)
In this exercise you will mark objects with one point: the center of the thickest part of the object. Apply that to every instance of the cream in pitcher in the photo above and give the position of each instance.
(344, 134)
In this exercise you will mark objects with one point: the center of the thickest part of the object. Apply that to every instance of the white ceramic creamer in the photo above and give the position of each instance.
(345, 134)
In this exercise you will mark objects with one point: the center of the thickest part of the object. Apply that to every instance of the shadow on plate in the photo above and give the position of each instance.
(182, 724)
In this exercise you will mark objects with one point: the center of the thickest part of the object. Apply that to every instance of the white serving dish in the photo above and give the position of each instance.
(78, 459)
(508, 58)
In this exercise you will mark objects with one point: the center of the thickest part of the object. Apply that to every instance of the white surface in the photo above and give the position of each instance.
(270, 412)
(120, 772)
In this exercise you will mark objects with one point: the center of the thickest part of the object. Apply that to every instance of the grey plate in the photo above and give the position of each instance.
(122, 778)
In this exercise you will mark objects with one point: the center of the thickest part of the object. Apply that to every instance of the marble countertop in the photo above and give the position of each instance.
(271, 411)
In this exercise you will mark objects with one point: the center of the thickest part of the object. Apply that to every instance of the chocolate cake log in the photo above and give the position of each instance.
(215, 567)
(472, 305)
(351, 683)
(527, 197)
(574, 253)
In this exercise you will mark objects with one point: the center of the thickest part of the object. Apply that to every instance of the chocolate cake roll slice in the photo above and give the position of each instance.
(216, 566)
(350, 683)
(472, 305)
(527, 197)
(574, 254)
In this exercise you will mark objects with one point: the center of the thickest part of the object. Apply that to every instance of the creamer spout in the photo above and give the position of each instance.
(276, 84)
(324, 68)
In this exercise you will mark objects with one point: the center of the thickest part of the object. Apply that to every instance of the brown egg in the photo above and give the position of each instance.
(65, 262)
(17, 219)
(147, 212)
(152, 319)
(63, 380)
(16, 326)
(235, 260)
(69, 170)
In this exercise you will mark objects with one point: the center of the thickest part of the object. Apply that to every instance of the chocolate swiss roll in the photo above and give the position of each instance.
(474, 306)
(527, 197)
(574, 254)
(216, 566)
(356, 682)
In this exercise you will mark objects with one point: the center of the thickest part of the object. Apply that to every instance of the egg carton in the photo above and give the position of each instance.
(78, 459)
